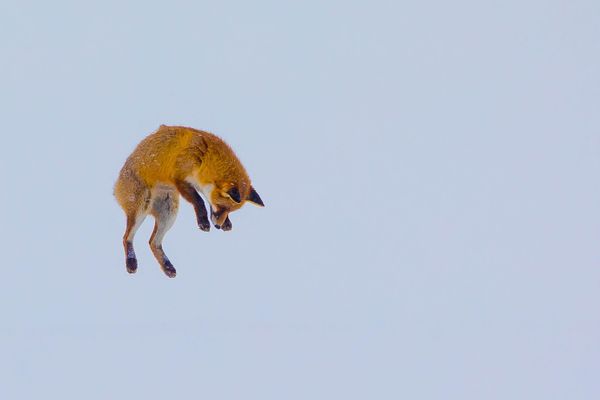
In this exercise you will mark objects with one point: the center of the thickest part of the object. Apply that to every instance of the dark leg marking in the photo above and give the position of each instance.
(133, 223)
(227, 225)
(131, 261)
(168, 269)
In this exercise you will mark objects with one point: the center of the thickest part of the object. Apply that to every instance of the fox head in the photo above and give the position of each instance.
(222, 179)
(228, 197)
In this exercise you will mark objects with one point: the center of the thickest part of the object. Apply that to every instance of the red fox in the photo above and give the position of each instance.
(179, 160)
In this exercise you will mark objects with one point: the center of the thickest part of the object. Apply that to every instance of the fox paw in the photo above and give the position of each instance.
(227, 225)
(204, 225)
(169, 270)
(131, 265)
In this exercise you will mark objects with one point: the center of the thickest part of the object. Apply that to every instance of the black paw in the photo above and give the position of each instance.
(131, 264)
(169, 270)
(227, 225)
(203, 224)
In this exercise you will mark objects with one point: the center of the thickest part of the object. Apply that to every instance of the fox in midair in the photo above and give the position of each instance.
(178, 160)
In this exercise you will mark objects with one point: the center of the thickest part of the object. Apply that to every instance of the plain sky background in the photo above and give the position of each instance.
(430, 174)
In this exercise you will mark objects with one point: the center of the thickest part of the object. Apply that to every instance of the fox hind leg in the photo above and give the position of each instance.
(133, 224)
(134, 198)
(164, 210)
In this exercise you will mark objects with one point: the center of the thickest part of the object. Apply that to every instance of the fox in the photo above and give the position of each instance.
(173, 161)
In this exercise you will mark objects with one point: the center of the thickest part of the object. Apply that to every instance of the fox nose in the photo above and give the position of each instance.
(218, 226)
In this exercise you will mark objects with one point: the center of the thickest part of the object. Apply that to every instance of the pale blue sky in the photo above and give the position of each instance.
(430, 174)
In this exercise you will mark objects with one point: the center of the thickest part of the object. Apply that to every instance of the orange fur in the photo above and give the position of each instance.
(174, 160)
(175, 152)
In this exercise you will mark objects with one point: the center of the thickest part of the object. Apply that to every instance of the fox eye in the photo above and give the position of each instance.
(234, 194)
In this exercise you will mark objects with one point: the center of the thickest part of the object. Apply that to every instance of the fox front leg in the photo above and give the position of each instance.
(190, 194)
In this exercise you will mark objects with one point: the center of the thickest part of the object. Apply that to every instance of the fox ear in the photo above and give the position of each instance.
(234, 193)
(253, 197)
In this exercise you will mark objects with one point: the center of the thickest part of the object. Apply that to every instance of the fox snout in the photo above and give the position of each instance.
(218, 218)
